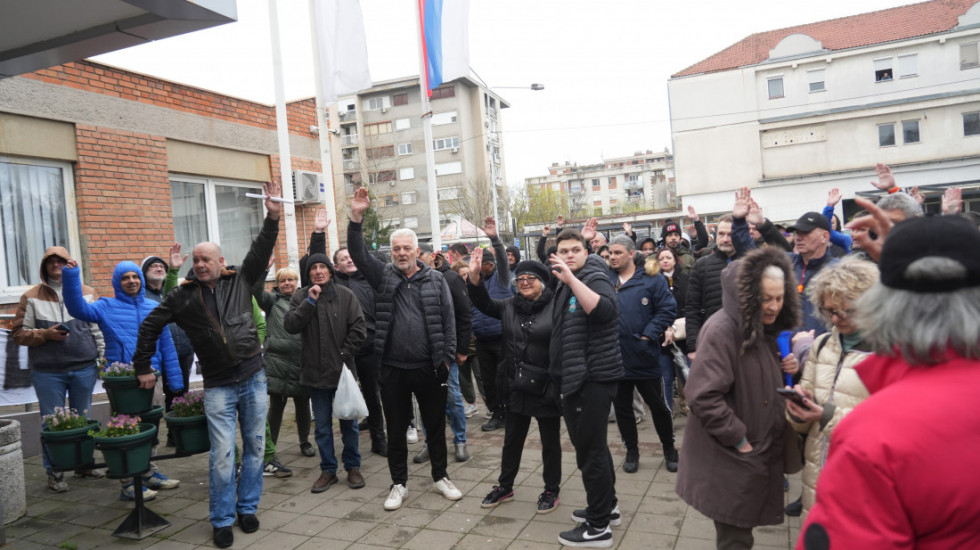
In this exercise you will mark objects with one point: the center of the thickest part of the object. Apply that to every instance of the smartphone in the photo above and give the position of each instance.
(63, 328)
(791, 395)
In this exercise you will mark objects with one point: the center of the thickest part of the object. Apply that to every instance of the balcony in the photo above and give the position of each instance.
(352, 164)
(346, 117)
(633, 184)
(634, 197)
(348, 140)
(576, 189)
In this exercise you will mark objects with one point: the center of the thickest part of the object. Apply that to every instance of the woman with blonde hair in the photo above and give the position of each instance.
(829, 382)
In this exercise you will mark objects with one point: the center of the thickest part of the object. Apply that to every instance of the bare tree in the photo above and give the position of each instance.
(537, 204)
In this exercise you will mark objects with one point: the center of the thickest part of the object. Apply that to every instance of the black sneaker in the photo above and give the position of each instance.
(672, 459)
(586, 536)
(795, 508)
(497, 495)
(223, 537)
(547, 502)
(380, 447)
(614, 517)
(632, 462)
(306, 448)
(274, 468)
(248, 523)
(492, 424)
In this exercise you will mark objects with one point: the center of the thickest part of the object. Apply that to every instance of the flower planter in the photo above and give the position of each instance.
(190, 433)
(126, 396)
(127, 455)
(70, 449)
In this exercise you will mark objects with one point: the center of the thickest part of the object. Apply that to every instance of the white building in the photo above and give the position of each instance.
(379, 141)
(794, 112)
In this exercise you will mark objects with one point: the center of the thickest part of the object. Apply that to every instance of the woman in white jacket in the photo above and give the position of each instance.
(829, 382)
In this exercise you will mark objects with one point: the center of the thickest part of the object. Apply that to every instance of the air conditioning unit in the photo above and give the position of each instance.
(384, 109)
(306, 187)
(455, 150)
(342, 115)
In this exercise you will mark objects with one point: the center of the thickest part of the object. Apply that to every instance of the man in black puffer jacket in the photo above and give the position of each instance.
(704, 286)
(586, 353)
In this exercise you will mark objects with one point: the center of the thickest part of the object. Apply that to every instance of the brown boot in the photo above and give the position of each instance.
(324, 482)
(354, 478)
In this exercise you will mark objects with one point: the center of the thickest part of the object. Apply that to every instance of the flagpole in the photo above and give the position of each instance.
(326, 164)
(430, 158)
(282, 131)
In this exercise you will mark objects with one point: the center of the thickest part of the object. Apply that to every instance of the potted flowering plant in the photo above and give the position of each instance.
(189, 424)
(67, 437)
(125, 444)
(123, 387)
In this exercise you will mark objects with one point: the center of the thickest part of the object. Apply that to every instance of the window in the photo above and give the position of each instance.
(410, 223)
(908, 65)
(219, 211)
(449, 193)
(402, 124)
(405, 149)
(597, 202)
(409, 197)
(376, 103)
(439, 119)
(36, 211)
(394, 223)
(886, 135)
(613, 200)
(595, 184)
(449, 168)
(883, 69)
(400, 99)
(406, 173)
(910, 131)
(443, 91)
(612, 182)
(382, 176)
(971, 124)
(969, 55)
(445, 143)
(390, 200)
(377, 128)
(775, 87)
(381, 152)
(816, 79)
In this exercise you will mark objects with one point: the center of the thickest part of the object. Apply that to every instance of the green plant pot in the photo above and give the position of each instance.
(127, 455)
(190, 433)
(126, 396)
(70, 449)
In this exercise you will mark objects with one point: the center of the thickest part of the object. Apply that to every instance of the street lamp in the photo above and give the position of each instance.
(534, 86)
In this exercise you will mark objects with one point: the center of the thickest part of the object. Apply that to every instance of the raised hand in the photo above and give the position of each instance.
(877, 221)
(628, 228)
(72, 264)
(490, 226)
(560, 222)
(743, 202)
(476, 263)
(272, 189)
(546, 230)
(917, 195)
(833, 197)
(952, 200)
(560, 269)
(589, 229)
(886, 180)
(176, 260)
(359, 204)
(754, 215)
(321, 222)
(692, 214)
(314, 292)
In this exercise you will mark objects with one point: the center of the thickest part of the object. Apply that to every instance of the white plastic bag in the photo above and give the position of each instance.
(348, 403)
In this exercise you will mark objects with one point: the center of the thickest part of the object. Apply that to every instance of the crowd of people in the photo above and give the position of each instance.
(851, 357)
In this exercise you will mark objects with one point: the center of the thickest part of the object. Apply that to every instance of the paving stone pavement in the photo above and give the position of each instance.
(291, 517)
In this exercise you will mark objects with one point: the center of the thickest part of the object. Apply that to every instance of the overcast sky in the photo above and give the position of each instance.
(604, 64)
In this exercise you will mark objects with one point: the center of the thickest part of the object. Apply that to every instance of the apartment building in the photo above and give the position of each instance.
(377, 141)
(796, 111)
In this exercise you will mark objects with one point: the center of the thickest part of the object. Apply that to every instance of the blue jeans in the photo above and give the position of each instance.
(668, 374)
(322, 400)
(245, 402)
(454, 407)
(51, 387)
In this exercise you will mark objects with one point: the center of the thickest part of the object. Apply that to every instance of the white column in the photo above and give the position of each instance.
(326, 164)
(430, 158)
(282, 130)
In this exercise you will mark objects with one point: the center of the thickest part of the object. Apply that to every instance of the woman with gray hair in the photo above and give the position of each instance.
(829, 383)
(901, 470)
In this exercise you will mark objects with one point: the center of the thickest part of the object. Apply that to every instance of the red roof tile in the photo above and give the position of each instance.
(846, 32)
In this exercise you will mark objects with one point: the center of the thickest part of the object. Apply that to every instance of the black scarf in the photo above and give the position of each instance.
(525, 307)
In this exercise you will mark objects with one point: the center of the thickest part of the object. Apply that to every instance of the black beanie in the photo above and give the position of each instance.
(535, 268)
(669, 227)
(150, 260)
(515, 251)
(318, 259)
(950, 237)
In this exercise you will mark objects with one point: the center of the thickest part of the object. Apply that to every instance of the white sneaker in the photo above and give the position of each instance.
(412, 435)
(394, 500)
(447, 489)
(469, 410)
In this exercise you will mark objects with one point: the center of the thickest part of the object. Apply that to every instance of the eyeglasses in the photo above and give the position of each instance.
(841, 314)
(526, 280)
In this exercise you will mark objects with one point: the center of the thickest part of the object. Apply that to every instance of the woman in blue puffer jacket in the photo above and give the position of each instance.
(119, 318)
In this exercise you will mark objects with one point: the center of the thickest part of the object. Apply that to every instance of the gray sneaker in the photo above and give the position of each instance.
(461, 454)
(274, 468)
(423, 455)
(57, 483)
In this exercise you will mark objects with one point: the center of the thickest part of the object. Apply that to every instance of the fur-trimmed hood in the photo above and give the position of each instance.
(741, 284)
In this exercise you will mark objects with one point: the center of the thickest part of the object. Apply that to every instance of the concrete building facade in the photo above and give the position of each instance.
(794, 112)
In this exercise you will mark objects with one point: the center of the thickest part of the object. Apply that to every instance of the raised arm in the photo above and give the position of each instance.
(74, 300)
(499, 252)
(258, 254)
(371, 267)
(699, 227)
(741, 238)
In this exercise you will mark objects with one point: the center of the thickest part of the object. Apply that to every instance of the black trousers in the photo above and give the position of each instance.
(397, 387)
(586, 417)
(368, 372)
(490, 354)
(186, 362)
(729, 537)
(277, 404)
(515, 435)
(652, 391)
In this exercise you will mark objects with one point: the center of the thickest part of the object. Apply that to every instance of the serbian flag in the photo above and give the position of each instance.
(342, 48)
(445, 40)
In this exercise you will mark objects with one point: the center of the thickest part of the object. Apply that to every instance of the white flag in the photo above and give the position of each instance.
(342, 46)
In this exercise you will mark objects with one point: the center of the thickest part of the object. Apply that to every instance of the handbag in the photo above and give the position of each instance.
(680, 328)
(348, 402)
(530, 379)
